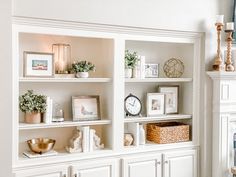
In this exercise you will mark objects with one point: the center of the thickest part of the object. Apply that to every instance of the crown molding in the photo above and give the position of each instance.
(103, 27)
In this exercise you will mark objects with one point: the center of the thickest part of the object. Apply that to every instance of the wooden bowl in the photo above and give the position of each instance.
(41, 145)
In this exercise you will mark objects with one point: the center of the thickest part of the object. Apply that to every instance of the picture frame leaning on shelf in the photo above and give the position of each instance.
(171, 98)
(155, 104)
(38, 64)
(86, 108)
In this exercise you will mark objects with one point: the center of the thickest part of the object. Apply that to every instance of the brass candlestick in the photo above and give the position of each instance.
(229, 40)
(218, 64)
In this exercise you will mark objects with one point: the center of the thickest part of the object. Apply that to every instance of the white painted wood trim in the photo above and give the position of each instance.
(103, 27)
(61, 80)
(24, 126)
(159, 80)
(158, 118)
(223, 75)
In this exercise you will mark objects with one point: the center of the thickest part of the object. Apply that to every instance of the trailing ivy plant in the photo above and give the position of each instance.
(83, 66)
(131, 59)
(30, 102)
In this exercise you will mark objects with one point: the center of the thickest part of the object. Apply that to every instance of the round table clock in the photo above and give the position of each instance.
(132, 105)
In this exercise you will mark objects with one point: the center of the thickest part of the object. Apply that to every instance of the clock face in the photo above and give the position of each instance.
(132, 105)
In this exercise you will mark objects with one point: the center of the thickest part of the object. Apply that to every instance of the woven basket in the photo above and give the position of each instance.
(167, 132)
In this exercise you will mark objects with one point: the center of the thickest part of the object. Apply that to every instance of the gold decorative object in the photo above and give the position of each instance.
(228, 63)
(128, 139)
(41, 145)
(218, 64)
(62, 58)
(173, 68)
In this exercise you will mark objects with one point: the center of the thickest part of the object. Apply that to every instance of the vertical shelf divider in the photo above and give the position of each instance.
(118, 81)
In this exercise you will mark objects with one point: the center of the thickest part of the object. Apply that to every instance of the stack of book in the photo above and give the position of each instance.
(139, 70)
(47, 118)
(90, 142)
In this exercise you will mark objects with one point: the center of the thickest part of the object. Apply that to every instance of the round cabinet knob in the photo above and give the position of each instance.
(158, 163)
(166, 161)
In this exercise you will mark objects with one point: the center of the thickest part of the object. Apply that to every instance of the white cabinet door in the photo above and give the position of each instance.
(95, 168)
(180, 164)
(52, 171)
(142, 166)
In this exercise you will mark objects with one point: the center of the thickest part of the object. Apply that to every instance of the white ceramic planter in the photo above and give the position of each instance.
(128, 73)
(82, 74)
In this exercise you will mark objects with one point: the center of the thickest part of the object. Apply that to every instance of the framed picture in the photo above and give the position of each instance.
(155, 104)
(151, 70)
(171, 98)
(85, 108)
(38, 64)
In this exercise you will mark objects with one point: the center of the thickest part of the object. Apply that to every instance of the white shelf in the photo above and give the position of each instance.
(159, 80)
(24, 126)
(151, 146)
(61, 80)
(157, 118)
(62, 154)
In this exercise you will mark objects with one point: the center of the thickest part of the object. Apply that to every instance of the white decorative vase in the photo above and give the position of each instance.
(142, 137)
(136, 72)
(82, 74)
(128, 73)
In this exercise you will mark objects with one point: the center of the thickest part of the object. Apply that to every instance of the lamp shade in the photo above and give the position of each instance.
(62, 58)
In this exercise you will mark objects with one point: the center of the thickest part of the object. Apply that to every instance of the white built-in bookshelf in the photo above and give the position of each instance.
(106, 51)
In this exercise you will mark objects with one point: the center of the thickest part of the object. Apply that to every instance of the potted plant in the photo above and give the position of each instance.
(81, 68)
(32, 105)
(130, 62)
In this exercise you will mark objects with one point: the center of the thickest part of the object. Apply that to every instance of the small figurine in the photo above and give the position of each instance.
(75, 144)
(97, 142)
(128, 139)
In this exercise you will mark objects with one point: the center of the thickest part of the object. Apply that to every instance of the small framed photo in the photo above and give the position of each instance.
(155, 104)
(151, 70)
(38, 64)
(85, 108)
(171, 98)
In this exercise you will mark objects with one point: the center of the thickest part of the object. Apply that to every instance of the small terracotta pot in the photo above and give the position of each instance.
(33, 118)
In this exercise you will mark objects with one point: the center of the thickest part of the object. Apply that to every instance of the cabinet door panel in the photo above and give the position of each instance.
(99, 172)
(142, 166)
(59, 171)
(180, 164)
(105, 168)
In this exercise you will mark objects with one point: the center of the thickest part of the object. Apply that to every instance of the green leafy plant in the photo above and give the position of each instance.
(83, 66)
(131, 59)
(30, 102)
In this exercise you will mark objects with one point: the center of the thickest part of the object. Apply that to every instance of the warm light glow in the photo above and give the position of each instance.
(62, 58)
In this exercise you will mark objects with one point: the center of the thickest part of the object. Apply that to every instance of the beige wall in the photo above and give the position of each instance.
(167, 14)
(5, 89)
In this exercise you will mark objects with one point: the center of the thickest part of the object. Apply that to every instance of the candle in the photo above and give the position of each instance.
(230, 26)
(220, 19)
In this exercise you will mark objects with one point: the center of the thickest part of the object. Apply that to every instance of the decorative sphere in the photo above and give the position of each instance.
(173, 68)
